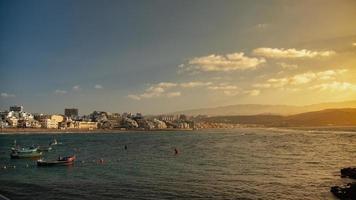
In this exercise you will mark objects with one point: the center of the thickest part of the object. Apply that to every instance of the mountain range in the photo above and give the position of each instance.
(260, 109)
(328, 117)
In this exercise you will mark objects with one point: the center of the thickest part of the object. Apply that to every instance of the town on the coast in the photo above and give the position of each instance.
(17, 118)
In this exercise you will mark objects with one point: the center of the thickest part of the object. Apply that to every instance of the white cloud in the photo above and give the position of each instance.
(334, 86)
(153, 91)
(97, 86)
(231, 92)
(173, 94)
(58, 91)
(167, 84)
(277, 82)
(6, 95)
(223, 87)
(76, 88)
(302, 78)
(156, 90)
(135, 97)
(299, 79)
(290, 53)
(262, 85)
(287, 66)
(253, 92)
(221, 63)
(195, 84)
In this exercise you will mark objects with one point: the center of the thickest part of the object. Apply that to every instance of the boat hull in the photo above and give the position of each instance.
(54, 163)
(44, 149)
(65, 161)
(26, 155)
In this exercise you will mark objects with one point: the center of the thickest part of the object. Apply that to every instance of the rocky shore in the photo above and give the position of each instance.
(348, 191)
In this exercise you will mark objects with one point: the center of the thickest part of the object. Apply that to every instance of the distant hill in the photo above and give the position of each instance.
(256, 109)
(328, 117)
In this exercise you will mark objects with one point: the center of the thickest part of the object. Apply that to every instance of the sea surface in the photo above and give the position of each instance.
(246, 163)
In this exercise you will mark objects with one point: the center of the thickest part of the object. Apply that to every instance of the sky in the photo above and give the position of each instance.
(160, 56)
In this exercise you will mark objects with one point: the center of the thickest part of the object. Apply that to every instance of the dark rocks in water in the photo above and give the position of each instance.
(347, 192)
(348, 172)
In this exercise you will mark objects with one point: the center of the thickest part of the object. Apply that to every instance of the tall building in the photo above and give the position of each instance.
(71, 112)
(16, 108)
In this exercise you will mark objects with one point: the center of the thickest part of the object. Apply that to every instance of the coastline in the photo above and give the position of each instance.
(10, 131)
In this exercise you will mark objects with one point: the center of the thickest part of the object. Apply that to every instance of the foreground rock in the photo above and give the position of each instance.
(349, 172)
(347, 192)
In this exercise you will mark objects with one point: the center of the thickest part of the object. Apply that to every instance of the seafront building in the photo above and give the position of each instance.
(71, 112)
(16, 108)
(18, 118)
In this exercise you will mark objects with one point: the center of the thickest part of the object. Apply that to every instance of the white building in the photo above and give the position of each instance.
(49, 123)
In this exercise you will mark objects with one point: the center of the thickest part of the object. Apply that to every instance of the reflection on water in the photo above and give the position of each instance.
(219, 164)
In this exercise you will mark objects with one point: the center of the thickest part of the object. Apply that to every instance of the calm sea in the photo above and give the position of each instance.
(220, 164)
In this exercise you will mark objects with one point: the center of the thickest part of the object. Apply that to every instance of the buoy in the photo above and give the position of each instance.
(176, 151)
(125, 147)
(101, 160)
(4, 167)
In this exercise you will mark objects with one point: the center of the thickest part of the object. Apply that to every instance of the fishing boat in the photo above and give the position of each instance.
(44, 148)
(32, 154)
(24, 149)
(25, 152)
(61, 161)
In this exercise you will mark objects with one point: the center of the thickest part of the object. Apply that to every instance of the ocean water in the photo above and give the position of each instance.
(246, 163)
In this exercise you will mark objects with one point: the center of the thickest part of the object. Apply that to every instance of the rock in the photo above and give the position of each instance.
(346, 192)
(349, 172)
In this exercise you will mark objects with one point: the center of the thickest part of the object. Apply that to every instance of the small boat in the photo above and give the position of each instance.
(54, 142)
(24, 149)
(61, 161)
(44, 148)
(32, 154)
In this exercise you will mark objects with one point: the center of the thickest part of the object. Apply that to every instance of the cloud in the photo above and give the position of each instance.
(334, 86)
(76, 88)
(287, 66)
(262, 85)
(173, 94)
(261, 26)
(290, 53)
(195, 84)
(7, 95)
(225, 88)
(135, 97)
(299, 79)
(152, 91)
(253, 92)
(97, 86)
(231, 92)
(156, 90)
(221, 63)
(60, 92)
(167, 84)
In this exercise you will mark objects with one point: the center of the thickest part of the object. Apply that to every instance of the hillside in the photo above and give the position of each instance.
(328, 117)
(256, 109)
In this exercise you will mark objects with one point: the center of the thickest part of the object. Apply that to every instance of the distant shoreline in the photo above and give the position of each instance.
(11, 131)
(60, 131)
